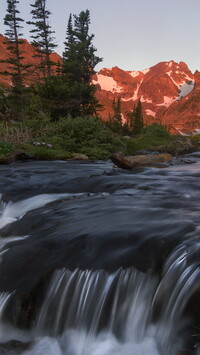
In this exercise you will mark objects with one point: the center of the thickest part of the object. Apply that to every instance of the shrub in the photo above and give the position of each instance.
(156, 131)
(153, 136)
(85, 135)
(6, 148)
(14, 133)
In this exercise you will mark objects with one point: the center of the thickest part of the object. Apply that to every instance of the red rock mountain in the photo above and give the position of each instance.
(169, 92)
(28, 52)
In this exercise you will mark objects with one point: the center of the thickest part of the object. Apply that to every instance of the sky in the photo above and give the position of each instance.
(130, 34)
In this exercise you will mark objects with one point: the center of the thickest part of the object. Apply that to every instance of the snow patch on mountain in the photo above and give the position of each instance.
(185, 89)
(150, 113)
(135, 96)
(148, 101)
(107, 83)
(187, 77)
(128, 99)
(167, 101)
(134, 73)
(145, 71)
(169, 73)
(123, 119)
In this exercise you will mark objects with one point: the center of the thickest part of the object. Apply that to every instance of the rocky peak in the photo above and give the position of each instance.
(157, 87)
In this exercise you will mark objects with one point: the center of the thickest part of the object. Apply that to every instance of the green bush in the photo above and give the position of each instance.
(156, 131)
(85, 135)
(151, 137)
(43, 153)
(195, 139)
(6, 148)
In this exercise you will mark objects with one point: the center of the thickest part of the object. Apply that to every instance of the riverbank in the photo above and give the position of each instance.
(39, 150)
(84, 138)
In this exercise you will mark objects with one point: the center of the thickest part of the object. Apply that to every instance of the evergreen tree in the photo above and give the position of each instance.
(79, 54)
(70, 63)
(17, 70)
(79, 61)
(41, 36)
(117, 117)
(115, 120)
(136, 119)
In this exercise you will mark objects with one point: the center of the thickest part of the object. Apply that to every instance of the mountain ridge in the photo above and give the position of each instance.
(158, 88)
(169, 91)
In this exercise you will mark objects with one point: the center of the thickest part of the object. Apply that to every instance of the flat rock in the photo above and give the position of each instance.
(129, 162)
(79, 156)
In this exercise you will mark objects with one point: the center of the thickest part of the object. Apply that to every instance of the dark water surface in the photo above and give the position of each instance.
(95, 260)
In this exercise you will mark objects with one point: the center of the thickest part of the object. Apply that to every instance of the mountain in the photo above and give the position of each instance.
(28, 52)
(169, 91)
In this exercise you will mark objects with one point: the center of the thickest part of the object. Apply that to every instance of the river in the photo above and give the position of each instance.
(96, 260)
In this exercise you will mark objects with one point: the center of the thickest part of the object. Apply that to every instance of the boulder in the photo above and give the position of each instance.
(129, 162)
(79, 156)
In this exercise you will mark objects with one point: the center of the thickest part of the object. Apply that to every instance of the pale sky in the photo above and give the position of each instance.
(130, 34)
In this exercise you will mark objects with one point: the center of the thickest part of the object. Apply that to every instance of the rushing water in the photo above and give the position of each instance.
(99, 261)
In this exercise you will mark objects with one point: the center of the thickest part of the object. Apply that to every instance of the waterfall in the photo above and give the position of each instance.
(93, 312)
(95, 264)
(96, 312)
(4, 298)
(93, 300)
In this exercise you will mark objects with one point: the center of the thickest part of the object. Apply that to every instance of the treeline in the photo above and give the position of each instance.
(132, 124)
(57, 114)
(69, 91)
(63, 88)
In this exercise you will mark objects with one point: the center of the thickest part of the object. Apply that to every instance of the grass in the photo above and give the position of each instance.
(83, 135)
(151, 138)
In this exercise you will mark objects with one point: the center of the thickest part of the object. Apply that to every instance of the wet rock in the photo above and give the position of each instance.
(24, 156)
(13, 347)
(78, 156)
(126, 137)
(16, 155)
(145, 152)
(129, 162)
(181, 161)
(183, 145)
(185, 352)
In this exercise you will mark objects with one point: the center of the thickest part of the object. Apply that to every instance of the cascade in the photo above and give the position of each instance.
(99, 265)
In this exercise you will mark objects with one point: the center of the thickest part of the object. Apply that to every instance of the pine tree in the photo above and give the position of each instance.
(42, 38)
(72, 92)
(12, 20)
(139, 124)
(117, 117)
(79, 49)
(17, 70)
(79, 61)
(136, 119)
(131, 118)
(69, 55)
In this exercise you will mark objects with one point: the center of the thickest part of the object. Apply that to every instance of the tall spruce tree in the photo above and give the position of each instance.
(41, 35)
(79, 61)
(17, 70)
(70, 53)
(117, 117)
(136, 122)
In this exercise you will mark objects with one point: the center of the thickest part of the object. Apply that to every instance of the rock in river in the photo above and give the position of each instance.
(131, 161)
